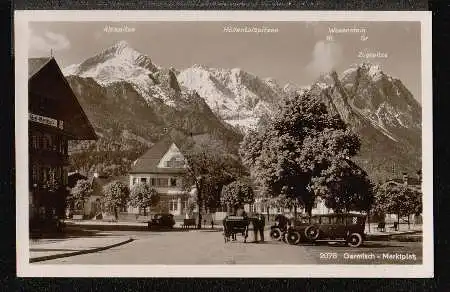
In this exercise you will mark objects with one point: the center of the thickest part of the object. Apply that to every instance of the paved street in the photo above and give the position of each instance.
(203, 247)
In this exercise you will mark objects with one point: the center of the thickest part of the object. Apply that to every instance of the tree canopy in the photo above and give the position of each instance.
(345, 186)
(142, 195)
(115, 195)
(399, 199)
(297, 152)
(210, 166)
(80, 192)
(236, 194)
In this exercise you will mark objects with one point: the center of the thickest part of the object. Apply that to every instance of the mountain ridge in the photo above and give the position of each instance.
(145, 98)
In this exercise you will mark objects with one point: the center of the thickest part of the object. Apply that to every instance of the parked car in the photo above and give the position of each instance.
(279, 229)
(347, 228)
(161, 221)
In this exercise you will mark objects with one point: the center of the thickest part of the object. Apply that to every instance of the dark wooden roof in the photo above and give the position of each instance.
(148, 163)
(73, 178)
(46, 79)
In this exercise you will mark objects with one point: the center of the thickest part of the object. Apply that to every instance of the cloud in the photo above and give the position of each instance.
(325, 57)
(48, 41)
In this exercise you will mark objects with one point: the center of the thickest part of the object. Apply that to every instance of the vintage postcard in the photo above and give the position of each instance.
(224, 144)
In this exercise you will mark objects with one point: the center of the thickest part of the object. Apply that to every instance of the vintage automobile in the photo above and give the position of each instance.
(279, 229)
(346, 228)
(161, 221)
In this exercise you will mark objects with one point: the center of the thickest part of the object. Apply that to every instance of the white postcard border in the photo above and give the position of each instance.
(25, 269)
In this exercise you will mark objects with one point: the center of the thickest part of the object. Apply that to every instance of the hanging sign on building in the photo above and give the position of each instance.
(46, 121)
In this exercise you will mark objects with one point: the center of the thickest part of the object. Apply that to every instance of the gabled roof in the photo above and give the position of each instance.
(36, 64)
(46, 79)
(148, 163)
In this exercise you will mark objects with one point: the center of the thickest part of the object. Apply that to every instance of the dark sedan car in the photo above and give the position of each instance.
(347, 228)
(161, 221)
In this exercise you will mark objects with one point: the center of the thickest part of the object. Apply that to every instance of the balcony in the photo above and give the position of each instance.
(49, 156)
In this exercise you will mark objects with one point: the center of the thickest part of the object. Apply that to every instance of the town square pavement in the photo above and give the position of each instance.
(205, 247)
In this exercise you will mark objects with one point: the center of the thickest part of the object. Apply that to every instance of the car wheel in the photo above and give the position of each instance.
(275, 234)
(293, 237)
(312, 233)
(354, 240)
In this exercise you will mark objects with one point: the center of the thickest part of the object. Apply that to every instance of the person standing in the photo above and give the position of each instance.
(255, 223)
(261, 224)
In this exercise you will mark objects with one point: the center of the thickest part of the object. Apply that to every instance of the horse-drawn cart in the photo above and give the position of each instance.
(233, 225)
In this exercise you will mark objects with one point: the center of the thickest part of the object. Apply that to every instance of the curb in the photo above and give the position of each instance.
(86, 251)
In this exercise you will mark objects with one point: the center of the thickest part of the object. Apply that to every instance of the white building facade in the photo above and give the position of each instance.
(163, 168)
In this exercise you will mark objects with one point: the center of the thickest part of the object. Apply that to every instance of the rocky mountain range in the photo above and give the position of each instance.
(132, 102)
(383, 112)
(236, 96)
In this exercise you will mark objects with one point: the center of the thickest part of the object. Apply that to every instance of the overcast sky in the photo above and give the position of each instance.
(298, 52)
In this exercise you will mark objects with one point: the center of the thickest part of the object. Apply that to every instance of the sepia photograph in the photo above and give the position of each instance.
(205, 143)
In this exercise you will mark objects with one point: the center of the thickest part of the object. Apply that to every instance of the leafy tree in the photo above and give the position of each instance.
(142, 195)
(399, 199)
(236, 194)
(80, 192)
(345, 187)
(297, 146)
(115, 195)
(209, 167)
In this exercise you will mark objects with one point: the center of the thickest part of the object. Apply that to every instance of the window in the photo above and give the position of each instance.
(35, 174)
(162, 182)
(184, 205)
(65, 179)
(143, 179)
(325, 220)
(48, 142)
(35, 140)
(134, 180)
(40, 142)
(337, 220)
(173, 182)
(44, 174)
(175, 162)
(153, 181)
(315, 204)
(173, 205)
(314, 220)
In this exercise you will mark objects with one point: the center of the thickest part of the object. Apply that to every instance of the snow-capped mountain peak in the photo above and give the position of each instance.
(121, 63)
(118, 62)
(237, 96)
